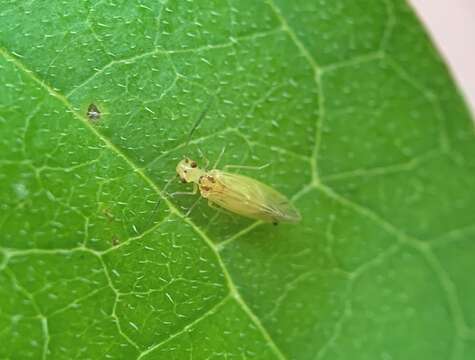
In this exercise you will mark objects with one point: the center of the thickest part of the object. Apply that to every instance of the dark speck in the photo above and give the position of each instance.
(93, 113)
(115, 240)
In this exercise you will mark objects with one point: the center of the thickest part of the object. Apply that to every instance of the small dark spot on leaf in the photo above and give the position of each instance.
(93, 113)
(115, 240)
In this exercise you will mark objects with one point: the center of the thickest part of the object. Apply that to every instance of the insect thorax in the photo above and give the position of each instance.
(208, 184)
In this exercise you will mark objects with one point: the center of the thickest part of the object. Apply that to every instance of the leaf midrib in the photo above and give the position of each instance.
(230, 284)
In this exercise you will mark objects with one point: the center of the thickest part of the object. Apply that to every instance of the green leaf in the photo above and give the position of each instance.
(347, 102)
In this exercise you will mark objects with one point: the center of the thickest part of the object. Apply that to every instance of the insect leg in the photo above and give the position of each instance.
(192, 207)
(195, 190)
(213, 206)
(219, 209)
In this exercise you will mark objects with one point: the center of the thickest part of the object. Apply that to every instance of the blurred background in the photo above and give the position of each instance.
(452, 26)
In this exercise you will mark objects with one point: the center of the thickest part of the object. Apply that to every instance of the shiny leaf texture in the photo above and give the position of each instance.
(349, 105)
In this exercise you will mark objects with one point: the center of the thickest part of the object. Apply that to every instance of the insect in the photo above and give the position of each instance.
(238, 193)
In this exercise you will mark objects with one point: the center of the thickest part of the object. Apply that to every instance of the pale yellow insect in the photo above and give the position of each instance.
(239, 194)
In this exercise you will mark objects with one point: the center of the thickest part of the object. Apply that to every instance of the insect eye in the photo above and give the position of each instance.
(193, 164)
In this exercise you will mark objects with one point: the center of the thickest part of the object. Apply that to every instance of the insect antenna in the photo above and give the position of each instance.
(198, 121)
(161, 195)
(195, 126)
(220, 156)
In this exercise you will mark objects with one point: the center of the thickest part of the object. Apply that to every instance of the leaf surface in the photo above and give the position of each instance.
(347, 102)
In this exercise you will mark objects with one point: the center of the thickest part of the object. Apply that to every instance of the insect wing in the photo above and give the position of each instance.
(249, 197)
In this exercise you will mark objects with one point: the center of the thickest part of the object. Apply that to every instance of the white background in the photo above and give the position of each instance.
(451, 24)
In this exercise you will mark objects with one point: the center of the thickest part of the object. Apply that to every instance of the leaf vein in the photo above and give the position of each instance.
(210, 312)
(172, 208)
(422, 248)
